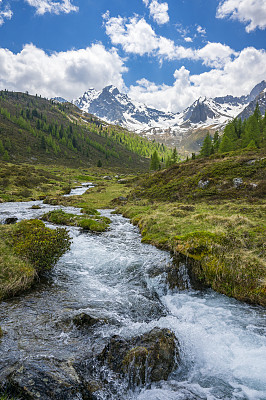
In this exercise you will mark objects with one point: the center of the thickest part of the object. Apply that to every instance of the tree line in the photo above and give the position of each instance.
(237, 134)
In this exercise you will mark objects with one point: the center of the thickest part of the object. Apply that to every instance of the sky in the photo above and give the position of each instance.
(165, 54)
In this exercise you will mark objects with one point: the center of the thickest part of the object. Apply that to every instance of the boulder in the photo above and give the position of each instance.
(107, 178)
(44, 381)
(84, 320)
(150, 357)
(10, 220)
(237, 182)
(203, 184)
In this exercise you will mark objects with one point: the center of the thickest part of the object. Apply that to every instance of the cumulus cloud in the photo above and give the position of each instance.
(251, 12)
(136, 36)
(5, 13)
(201, 31)
(158, 11)
(188, 39)
(231, 79)
(53, 7)
(67, 74)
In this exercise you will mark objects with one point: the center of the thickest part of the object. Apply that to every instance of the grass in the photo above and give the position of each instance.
(220, 229)
(16, 274)
(105, 195)
(225, 241)
(25, 182)
(93, 222)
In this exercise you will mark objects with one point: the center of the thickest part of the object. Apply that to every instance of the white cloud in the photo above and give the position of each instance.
(215, 54)
(159, 12)
(53, 7)
(188, 39)
(67, 74)
(237, 77)
(251, 12)
(5, 13)
(201, 31)
(137, 36)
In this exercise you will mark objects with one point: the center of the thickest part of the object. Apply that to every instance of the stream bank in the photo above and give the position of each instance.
(121, 284)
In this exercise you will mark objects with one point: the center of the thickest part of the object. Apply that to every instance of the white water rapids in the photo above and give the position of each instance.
(111, 275)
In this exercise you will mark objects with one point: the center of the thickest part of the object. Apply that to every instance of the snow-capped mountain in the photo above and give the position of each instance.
(260, 99)
(117, 108)
(205, 114)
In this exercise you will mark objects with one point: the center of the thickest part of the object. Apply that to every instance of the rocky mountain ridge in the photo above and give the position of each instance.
(204, 115)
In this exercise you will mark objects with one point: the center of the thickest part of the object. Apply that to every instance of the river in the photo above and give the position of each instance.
(111, 276)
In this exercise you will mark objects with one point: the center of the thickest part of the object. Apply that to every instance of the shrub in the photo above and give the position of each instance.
(92, 225)
(40, 245)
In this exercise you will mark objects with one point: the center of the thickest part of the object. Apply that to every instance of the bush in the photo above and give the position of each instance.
(40, 245)
(92, 225)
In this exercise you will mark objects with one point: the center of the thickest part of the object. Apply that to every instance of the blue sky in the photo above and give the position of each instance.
(163, 53)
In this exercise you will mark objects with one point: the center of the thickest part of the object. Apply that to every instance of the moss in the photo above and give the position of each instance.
(224, 241)
(95, 223)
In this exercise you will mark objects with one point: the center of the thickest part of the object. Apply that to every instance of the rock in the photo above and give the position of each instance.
(237, 182)
(122, 181)
(121, 198)
(10, 220)
(107, 178)
(85, 320)
(147, 358)
(203, 184)
(253, 185)
(251, 162)
(44, 381)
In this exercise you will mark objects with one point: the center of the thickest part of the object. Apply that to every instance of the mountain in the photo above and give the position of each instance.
(179, 129)
(117, 108)
(260, 99)
(59, 100)
(36, 130)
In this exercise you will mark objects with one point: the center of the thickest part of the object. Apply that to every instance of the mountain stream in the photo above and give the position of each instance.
(111, 276)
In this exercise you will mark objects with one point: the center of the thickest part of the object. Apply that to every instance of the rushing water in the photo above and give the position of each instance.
(111, 276)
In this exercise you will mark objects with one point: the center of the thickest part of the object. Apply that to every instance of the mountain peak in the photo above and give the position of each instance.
(111, 89)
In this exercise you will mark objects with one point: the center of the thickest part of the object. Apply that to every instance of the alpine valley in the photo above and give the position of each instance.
(186, 129)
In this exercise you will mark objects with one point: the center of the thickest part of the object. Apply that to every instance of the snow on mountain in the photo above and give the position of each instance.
(204, 114)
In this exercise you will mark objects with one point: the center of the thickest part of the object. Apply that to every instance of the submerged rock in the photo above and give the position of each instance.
(84, 320)
(143, 359)
(44, 381)
(10, 220)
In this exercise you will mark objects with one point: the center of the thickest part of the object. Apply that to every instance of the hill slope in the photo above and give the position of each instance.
(36, 130)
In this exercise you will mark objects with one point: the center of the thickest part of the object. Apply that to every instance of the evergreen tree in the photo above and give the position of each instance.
(216, 141)
(2, 149)
(226, 145)
(155, 162)
(206, 146)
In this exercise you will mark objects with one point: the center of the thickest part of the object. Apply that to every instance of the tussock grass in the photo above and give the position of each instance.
(16, 274)
(227, 246)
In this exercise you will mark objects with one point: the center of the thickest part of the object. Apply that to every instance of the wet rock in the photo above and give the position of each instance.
(147, 358)
(44, 381)
(251, 162)
(10, 220)
(203, 184)
(84, 320)
(122, 181)
(237, 182)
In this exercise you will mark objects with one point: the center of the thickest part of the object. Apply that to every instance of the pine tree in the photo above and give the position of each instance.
(206, 146)
(226, 145)
(155, 162)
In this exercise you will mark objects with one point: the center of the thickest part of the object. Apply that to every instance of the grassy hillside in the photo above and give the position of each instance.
(36, 130)
(210, 212)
